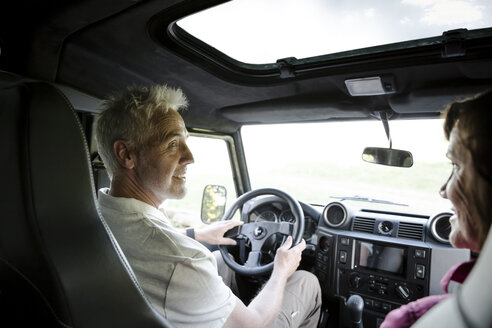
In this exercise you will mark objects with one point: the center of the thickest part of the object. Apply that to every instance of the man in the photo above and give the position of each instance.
(142, 140)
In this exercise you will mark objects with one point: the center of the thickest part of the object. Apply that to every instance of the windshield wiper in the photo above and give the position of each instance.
(367, 199)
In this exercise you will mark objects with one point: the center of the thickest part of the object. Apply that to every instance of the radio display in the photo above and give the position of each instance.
(380, 257)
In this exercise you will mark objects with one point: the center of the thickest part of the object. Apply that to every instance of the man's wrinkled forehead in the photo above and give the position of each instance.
(171, 125)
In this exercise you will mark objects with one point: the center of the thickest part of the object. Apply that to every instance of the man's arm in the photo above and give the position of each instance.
(212, 234)
(265, 307)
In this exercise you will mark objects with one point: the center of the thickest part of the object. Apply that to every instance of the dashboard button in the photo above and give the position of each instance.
(386, 307)
(368, 302)
(420, 253)
(343, 257)
(344, 241)
(420, 271)
(321, 266)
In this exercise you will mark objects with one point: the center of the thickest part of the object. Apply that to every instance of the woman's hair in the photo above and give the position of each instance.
(135, 116)
(472, 117)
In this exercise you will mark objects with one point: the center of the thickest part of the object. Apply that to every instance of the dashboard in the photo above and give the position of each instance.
(389, 258)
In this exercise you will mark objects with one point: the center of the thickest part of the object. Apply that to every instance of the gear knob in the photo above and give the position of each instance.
(355, 306)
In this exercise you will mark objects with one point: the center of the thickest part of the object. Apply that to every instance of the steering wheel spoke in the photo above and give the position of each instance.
(254, 259)
(286, 228)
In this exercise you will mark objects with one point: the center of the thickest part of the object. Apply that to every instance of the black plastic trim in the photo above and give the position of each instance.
(164, 30)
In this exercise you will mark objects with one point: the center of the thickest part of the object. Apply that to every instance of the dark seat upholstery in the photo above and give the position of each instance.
(59, 263)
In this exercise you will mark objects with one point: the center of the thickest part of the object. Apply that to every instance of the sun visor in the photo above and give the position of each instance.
(435, 100)
(294, 109)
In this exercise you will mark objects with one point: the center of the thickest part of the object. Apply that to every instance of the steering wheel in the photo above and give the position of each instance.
(259, 232)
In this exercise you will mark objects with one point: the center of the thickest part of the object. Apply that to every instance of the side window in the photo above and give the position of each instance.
(211, 166)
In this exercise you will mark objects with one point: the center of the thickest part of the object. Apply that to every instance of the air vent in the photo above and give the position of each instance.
(335, 214)
(440, 227)
(410, 230)
(364, 225)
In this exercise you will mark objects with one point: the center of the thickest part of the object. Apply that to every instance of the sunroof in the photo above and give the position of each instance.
(262, 31)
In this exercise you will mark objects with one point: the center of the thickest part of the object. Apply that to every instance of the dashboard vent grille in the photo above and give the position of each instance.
(364, 224)
(410, 230)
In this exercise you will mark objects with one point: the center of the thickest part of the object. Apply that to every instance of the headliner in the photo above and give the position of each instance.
(97, 47)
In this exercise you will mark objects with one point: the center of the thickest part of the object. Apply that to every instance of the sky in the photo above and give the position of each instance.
(348, 139)
(262, 31)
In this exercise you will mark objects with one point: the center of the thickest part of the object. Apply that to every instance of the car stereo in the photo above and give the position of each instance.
(380, 258)
(386, 275)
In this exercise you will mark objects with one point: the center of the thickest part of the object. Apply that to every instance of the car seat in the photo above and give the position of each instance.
(59, 262)
(470, 306)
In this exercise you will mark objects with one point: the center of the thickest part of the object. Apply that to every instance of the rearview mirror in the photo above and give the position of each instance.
(213, 203)
(388, 156)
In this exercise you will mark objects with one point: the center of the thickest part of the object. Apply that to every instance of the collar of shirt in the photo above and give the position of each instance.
(457, 273)
(131, 205)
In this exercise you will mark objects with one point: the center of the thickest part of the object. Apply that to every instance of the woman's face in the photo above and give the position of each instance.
(465, 221)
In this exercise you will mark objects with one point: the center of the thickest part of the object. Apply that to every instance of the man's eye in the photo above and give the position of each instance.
(173, 143)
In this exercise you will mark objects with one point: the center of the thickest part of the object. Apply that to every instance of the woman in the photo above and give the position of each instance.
(469, 188)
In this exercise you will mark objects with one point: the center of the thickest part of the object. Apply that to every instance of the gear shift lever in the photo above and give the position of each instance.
(355, 306)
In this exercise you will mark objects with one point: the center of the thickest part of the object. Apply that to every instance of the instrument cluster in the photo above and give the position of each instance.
(280, 212)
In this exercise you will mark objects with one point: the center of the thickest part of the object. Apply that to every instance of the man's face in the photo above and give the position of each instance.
(161, 169)
(464, 223)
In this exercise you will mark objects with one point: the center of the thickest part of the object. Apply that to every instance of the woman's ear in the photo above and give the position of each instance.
(123, 154)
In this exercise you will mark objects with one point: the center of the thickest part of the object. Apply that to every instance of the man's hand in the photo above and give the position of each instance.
(214, 233)
(265, 307)
(287, 259)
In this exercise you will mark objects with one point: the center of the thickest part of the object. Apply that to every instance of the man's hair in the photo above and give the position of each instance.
(135, 116)
(472, 117)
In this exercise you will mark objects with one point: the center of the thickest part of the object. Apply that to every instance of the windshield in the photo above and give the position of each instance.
(321, 162)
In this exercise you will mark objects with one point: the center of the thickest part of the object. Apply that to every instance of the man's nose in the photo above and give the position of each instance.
(187, 156)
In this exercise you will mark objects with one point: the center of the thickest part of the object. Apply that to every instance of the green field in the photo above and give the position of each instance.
(418, 185)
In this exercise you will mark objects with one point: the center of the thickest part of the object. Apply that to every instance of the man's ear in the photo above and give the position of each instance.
(123, 154)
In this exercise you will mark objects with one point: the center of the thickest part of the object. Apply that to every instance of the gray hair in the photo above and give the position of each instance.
(135, 116)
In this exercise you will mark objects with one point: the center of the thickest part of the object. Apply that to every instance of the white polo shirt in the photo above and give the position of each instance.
(178, 274)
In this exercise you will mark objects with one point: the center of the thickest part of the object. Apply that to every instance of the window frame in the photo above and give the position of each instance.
(452, 45)
(237, 160)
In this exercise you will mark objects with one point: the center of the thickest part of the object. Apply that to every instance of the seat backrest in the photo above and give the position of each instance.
(471, 305)
(59, 262)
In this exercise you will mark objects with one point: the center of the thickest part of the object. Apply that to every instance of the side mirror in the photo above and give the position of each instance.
(388, 156)
(213, 203)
